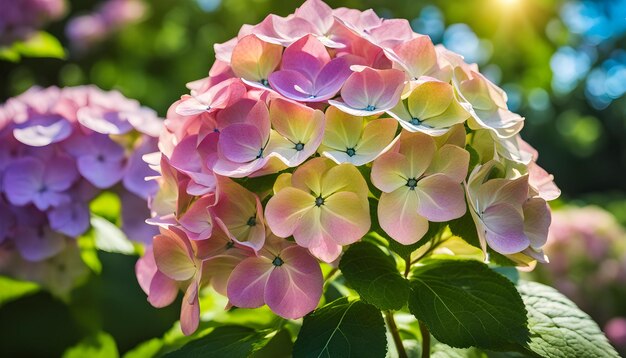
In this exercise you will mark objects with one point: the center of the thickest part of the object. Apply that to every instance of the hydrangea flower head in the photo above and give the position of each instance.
(313, 130)
(60, 149)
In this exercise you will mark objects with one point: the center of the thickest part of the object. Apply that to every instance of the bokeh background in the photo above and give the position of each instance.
(561, 62)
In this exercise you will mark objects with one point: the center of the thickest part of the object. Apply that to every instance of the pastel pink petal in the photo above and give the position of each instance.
(537, 219)
(254, 59)
(394, 83)
(451, 161)
(295, 121)
(318, 13)
(308, 177)
(504, 191)
(227, 168)
(332, 77)
(289, 29)
(173, 257)
(418, 55)
(245, 110)
(307, 55)
(241, 143)
(292, 84)
(190, 310)
(390, 172)
(218, 271)
(419, 150)
(505, 229)
(294, 288)
(362, 89)
(197, 219)
(44, 131)
(543, 182)
(145, 268)
(190, 106)
(440, 198)
(163, 290)
(377, 135)
(246, 285)
(286, 209)
(397, 215)
(324, 247)
(345, 217)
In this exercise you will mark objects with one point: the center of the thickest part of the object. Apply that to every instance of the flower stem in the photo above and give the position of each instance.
(425, 340)
(391, 323)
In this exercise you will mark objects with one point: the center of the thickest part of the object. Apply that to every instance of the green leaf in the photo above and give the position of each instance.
(440, 350)
(99, 345)
(11, 289)
(280, 345)
(225, 341)
(9, 54)
(374, 275)
(465, 228)
(41, 44)
(465, 303)
(558, 328)
(342, 328)
(109, 237)
(509, 272)
(106, 205)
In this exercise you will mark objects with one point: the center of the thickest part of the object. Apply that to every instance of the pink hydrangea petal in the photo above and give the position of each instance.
(330, 79)
(451, 161)
(417, 56)
(419, 150)
(241, 143)
(318, 13)
(505, 229)
(217, 270)
(190, 310)
(440, 198)
(345, 217)
(537, 219)
(246, 285)
(163, 290)
(504, 191)
(308, 177)
(390, 172)
(294, 288)
(397, 215)
(173, 257)
(197, 221)
(307, 56)
(344, 177)
(254, 59)
(145, 268)
(363, 89)
(430, 99)
(543, 182)
(286, 209)
(293, 84)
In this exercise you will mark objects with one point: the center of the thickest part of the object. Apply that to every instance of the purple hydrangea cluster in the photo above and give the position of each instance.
(19, 18)
(59, 149)
(89, 29)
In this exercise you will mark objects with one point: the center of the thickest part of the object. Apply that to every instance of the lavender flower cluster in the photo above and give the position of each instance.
(59, 149)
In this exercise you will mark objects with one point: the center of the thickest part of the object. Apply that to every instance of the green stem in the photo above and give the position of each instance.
(393, 328)
(425, 340)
